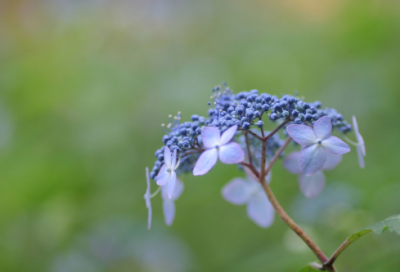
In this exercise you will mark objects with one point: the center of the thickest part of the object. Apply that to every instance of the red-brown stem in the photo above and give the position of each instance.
(343, 246)
(276, 129)
(248, 147)
(255, 135)
(278, 208)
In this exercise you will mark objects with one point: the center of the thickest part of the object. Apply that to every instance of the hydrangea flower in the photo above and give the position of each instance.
(167, 174)
(147, 198)
(248, 191)
(310, 186)
(316, 143)
(218, 145)
(360, 144)
(169, 202)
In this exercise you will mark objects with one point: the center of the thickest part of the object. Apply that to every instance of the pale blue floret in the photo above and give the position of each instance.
(315, 144)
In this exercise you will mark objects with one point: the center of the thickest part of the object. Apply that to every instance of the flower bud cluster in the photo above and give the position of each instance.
(246, 110)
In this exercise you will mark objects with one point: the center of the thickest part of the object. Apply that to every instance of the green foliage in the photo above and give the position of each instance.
(392, 223)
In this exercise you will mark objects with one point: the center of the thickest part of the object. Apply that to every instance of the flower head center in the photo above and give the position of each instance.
(217, 146)
(319, 141)
(169, 170)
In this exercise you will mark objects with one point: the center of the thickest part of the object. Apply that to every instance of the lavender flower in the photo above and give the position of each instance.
(248, 191)
(169, 202)
(310, 186)
(218, 145)
(360, 144)
(316, 143)
(167, 175)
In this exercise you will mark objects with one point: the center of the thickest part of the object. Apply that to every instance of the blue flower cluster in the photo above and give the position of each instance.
(246, 110)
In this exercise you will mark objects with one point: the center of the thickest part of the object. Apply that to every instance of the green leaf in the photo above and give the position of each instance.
(392, 223)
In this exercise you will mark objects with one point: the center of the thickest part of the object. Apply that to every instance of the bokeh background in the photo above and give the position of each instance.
(85, 85)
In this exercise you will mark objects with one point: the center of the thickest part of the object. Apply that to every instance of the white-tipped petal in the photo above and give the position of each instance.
(206, 161)
(236, 191)
(228, 135)
(301, 134)
(163, 176)
(323, 128)
(260, 210)
(312, 159)
(312, 186)
(231, 153)
(210, 137)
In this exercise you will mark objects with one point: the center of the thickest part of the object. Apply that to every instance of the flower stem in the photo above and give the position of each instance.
(278, 208)
(343, 246)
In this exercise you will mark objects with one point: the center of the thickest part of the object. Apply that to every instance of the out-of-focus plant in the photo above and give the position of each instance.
(234, 133)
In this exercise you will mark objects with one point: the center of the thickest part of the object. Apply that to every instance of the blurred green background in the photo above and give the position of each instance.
(85, 85)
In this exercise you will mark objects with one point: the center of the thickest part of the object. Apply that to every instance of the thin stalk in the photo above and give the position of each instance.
(278, 208)
(246, 136)
(343, 246)
(255, 135)
(276, 130)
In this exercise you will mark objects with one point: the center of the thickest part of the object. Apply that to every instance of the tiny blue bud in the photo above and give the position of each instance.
(285, 113)
(265, 107)
(273, 117)
(260, 124)
(246, 125)
(295, 113)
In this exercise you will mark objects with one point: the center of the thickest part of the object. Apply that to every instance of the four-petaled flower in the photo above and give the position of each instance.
(316, 143)
(218, 145)
(360, 144)
(311, 186)
(167, 175)
(169, 202)
(241, 191)
(147, 198)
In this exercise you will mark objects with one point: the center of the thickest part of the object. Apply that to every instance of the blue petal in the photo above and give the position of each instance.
(336, 146)
(236, 191)
(228, 135)
(260, 210)
(169, 211)
(167, 156)
(312, 186)
(163, 176)
(323, 128)
(332, 160)
(292, 163)
(302, 134)
(312, 159)
(206, 161)
(171, 184)
(210, 137)
(231, 153)
(147, 197)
